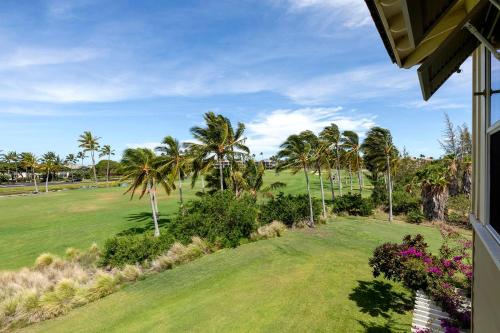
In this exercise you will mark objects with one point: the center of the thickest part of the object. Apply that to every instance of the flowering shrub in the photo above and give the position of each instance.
(446, 277)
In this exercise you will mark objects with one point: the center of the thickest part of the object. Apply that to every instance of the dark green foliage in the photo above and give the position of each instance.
(379, 194)
(114, 168)
(458, 211)
(289, 209)
(403, 202)
(414, 216)
(132, 249)
(353, 204)
(221, 218)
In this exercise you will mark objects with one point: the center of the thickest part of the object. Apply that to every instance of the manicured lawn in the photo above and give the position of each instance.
(33, 224)
(306, 281)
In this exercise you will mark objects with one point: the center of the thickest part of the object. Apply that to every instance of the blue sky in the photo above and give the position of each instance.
(133, 72)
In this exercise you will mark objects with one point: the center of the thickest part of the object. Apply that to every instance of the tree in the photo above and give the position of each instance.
(379, 153)
(174, 162)
(350, 143)
(253, 179)
(11, 158)
(297, 154)
(70, 161)
(49, 161)
(140, 167)
(107, 151)
(433, 181)
(90, 143)
(216, 141)
(30, 162)
(81, 156)
(319, 160)
(331, 135)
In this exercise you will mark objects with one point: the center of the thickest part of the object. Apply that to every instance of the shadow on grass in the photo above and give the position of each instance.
(146, 221)
(377, 298)
(389, 327)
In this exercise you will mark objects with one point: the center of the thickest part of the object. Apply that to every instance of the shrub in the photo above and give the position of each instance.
(458, 211)
(353, 204)
(59, 301)
(104, 285)
(403, 202)
(414, 216)
(274, 229)
(289, 209)
(133, 249)
(131, 273)
(162, 263)
(222, 219)
(44, 260)
(379, 192)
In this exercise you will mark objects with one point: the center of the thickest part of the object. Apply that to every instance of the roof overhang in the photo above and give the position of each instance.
(431, 33)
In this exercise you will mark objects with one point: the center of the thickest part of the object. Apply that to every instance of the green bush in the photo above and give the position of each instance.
(132, 249)
(458, 211)
(289, 209)
(379, 193)
(403, 202)
(414, 216)
(353, 204)
(220, 218)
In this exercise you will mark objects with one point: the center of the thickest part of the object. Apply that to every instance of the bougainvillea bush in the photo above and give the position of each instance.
(445, 277)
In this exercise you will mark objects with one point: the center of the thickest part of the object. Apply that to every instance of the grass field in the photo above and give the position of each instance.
(54, 221)
(306, 281)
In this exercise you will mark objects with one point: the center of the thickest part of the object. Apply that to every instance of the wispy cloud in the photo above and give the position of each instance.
(23, 57)
(269, 130)
(150, 145)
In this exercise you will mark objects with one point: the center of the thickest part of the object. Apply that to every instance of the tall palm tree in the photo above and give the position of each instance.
(379, 152)
(11, 158)
(350, 143)
(30, 162)
(107, 151)
(89, 142)
(216, 141)
(237, 148)
(140, 167)
(49, 161)
(331, 135)
(174, 162)
(297, 154)
(70, 161)
(318, 160)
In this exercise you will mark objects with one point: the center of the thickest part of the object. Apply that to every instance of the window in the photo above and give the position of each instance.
(493, 139)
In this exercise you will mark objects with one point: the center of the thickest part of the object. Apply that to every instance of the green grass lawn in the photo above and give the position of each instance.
(54, 221)
(306, 281)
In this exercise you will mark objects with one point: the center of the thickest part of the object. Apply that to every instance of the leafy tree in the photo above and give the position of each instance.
(297, 153)
(107, 151)
(433, 180)
(70, 161)
(140, 167)
(331, 135)
(30, 162)
(174, 162)
(11, 158)
(89, 142)
(379, 153)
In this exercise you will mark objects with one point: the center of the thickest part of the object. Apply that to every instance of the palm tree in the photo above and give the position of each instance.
(331, 135)
(90, 143)
(10, 158)
(70, 161)
(49, 161)
(319, 161)
(379, 152)
(434, 180)
(237, 148)
(350, 143)
(216, 142)
(30, 162)
(140, 166)
(297, 154)
(174, 162)
(107, 151)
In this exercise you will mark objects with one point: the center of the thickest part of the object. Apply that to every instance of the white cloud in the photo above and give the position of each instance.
(23, 57)
(352, 13)
(150, 145)
(269, 130)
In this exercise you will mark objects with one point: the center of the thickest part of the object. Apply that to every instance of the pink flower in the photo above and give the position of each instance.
(435, 270)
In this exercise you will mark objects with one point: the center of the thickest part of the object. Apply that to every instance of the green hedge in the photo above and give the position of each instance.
(288, 209)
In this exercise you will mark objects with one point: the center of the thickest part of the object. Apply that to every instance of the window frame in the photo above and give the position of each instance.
(490, 130)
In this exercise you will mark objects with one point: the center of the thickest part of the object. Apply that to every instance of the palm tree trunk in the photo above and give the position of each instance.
(322, 191)
(338, 170)
(153, 208)
(360, 180)
(311, 213)
(107, 171)
(350, 178)
(93, 167)
(221, 174)
(202, 184)
(34, 179)
(389, 184)
(331, 182)
(47, 182)
(180, 190)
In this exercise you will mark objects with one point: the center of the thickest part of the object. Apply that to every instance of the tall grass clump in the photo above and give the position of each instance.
(271, 230)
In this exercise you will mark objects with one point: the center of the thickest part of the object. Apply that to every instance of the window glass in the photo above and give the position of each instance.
(495, 108)
(495, 73)
(495, 85)
(495, 181)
